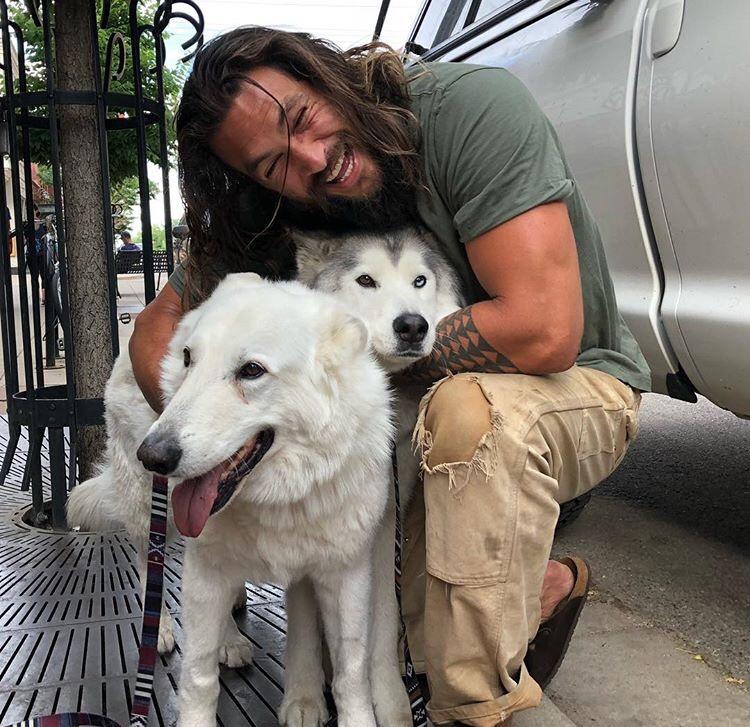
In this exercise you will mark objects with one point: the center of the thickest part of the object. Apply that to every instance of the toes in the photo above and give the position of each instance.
(303, 712)
(240, 599)
(165, 643)
(237, 652)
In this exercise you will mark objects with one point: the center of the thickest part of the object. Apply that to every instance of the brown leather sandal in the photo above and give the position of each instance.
(547, 651)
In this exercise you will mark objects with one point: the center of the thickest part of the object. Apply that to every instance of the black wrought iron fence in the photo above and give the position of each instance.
(45, 411)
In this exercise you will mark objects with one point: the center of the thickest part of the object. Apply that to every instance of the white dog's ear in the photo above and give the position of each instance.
(313, 251)
(344, 338)
(238, 280)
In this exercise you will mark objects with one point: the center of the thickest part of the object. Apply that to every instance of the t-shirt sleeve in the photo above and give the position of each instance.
(177, 279)
(494, 152)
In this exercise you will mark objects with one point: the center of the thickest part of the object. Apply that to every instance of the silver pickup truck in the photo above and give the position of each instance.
(651, 99)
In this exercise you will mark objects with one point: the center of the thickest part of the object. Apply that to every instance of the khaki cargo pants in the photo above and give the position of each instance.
(500, 452)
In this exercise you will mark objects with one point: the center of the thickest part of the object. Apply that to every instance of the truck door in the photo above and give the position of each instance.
(694, 142)
(579, 58)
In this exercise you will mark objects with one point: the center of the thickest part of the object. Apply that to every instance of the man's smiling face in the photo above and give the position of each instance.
(322, 161)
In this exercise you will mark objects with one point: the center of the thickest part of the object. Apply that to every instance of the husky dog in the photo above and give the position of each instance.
(400, 286)
(277, 428)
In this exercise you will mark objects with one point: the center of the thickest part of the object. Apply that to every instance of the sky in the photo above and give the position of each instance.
(345, 22)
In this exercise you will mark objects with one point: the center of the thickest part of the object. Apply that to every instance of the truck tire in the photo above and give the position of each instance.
(569, 511)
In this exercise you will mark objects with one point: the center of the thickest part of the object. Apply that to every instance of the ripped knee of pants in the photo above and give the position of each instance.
(456, 430)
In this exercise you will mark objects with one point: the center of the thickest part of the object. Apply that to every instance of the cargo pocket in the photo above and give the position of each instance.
(468, 528)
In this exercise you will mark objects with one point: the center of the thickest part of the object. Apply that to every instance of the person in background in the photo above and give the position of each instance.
(37, 251)
(127, 243)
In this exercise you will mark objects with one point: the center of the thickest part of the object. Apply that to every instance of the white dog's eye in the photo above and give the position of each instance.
(251, 370)
(366, 281)
(420, 281)
(186, 356)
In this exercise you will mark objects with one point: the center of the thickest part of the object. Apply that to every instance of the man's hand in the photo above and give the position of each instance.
(533, 322)
(154, 327)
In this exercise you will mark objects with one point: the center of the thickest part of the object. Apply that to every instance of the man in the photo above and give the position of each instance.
(544, 377)
(127, 243)
(37, 252)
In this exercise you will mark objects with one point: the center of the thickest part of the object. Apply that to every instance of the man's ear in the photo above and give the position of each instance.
(343, 338)
(313, 252)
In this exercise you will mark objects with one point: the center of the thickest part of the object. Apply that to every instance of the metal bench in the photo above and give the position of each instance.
(131, 261)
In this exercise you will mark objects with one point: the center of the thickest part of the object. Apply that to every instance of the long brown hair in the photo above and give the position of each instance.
(226, 210)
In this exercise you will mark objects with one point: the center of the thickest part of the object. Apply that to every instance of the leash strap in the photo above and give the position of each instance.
(418, 711)
(147, 653)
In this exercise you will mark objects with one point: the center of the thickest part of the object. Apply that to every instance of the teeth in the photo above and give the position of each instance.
(337, 167)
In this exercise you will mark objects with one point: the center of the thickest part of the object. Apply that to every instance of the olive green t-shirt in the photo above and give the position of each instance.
(491, 154)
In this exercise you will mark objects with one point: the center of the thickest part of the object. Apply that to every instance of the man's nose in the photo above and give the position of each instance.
(309, 155)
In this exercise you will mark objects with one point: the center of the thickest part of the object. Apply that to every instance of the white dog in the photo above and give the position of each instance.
(277, 427)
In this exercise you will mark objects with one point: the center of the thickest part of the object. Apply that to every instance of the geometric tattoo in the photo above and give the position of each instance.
(459, 347)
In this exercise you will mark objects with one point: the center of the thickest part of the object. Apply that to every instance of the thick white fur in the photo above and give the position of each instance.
(393, 261)
(306, 517)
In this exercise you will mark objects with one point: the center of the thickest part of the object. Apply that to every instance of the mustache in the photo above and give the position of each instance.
(317, 190)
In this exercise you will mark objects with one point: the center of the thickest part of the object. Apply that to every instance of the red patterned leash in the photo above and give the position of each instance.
(147, 653)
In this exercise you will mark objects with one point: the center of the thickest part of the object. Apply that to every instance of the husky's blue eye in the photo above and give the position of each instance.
(251, 370)
(186, 356)
(420, 281)
(366, 281)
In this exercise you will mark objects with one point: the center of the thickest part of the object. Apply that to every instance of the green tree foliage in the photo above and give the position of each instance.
(158, 235)
(125, 195)
(122, 145)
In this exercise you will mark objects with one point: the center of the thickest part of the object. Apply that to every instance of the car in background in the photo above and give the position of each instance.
(651, 100)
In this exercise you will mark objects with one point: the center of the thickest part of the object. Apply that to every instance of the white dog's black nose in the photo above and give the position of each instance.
(411, 327)
(159, 454)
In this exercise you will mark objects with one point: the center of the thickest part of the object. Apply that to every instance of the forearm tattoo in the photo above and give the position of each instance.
(460, 347)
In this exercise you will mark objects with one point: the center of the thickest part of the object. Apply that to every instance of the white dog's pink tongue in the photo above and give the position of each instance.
(192, 501)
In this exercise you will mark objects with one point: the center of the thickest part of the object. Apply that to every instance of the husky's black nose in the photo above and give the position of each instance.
(411, 327)
(159, 454)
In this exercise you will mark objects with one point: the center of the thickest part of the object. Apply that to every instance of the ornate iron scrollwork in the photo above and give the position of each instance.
(48, 411)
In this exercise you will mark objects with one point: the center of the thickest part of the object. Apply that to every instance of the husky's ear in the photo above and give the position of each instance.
(313, 251)
(344, 337)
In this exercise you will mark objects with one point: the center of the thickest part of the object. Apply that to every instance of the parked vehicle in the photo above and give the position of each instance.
(650, 99)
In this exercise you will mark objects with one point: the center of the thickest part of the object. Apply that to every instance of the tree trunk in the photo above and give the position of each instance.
(80, 159)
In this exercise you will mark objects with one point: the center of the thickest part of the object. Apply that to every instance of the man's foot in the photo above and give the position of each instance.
(547, 650)
(558, 583)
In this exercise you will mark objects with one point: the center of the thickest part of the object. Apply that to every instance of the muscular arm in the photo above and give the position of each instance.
(154, 327)
(533, 321)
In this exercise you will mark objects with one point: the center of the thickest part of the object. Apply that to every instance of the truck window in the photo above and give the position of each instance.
(489, 6)
(442, 19)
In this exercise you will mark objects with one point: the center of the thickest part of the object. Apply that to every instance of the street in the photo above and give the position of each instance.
(665, 638)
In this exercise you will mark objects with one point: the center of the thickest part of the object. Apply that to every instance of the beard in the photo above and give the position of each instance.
(391, 205)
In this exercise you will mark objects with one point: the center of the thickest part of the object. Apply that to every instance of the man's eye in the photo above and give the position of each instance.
(420, 281)
(272, 168)
(301, 116)
(251, 370)
(186, 356)
(366, 281)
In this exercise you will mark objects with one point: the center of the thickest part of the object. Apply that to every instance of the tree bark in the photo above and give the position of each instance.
(80, 159)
